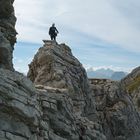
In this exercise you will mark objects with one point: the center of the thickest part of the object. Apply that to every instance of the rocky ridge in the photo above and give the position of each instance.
(46, 112)
(50, 108)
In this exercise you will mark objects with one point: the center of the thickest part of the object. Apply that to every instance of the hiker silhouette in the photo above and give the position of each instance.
(53, 32)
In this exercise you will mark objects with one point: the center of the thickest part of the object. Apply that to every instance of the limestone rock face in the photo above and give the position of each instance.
(41, 113)
(65, 93)
(63, 123)
(131, 84)
(60, 77)
(55, 66)
(63, 104)
(20, 112)
(116, 110)
(7, 33)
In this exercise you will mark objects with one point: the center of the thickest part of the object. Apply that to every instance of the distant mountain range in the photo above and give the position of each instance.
(106, 74)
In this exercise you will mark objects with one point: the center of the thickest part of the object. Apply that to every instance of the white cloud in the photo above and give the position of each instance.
(103, 19)
(21, 65)
(83, 22)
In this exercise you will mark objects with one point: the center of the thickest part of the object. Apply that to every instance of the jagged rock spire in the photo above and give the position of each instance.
(54, 65)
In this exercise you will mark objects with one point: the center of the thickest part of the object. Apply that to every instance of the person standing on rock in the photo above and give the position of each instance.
(53, 32)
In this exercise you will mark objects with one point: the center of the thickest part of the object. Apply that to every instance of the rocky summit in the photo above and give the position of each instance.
(55, 66)
(7, 33)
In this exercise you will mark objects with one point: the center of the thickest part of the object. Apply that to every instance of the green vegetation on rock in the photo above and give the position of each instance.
(134, 85)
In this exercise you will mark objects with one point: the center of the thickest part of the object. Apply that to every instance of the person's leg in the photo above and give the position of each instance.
(51, 37)
(55, 38)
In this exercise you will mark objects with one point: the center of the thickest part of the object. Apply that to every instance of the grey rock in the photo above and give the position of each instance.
(11, 136)
(65, 93)
(20, 113)
(115, 107)
(54, 65)
(45, 112)
(7, 33)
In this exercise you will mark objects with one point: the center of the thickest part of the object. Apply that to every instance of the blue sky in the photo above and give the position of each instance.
(101, 34)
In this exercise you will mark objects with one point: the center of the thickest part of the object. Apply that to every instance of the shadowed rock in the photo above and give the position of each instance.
(7, 33)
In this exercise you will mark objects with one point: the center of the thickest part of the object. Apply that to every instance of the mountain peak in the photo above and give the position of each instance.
(52, 59)
(55, 66)
(105, 73)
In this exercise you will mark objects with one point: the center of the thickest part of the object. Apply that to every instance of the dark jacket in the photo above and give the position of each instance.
(53, 31)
